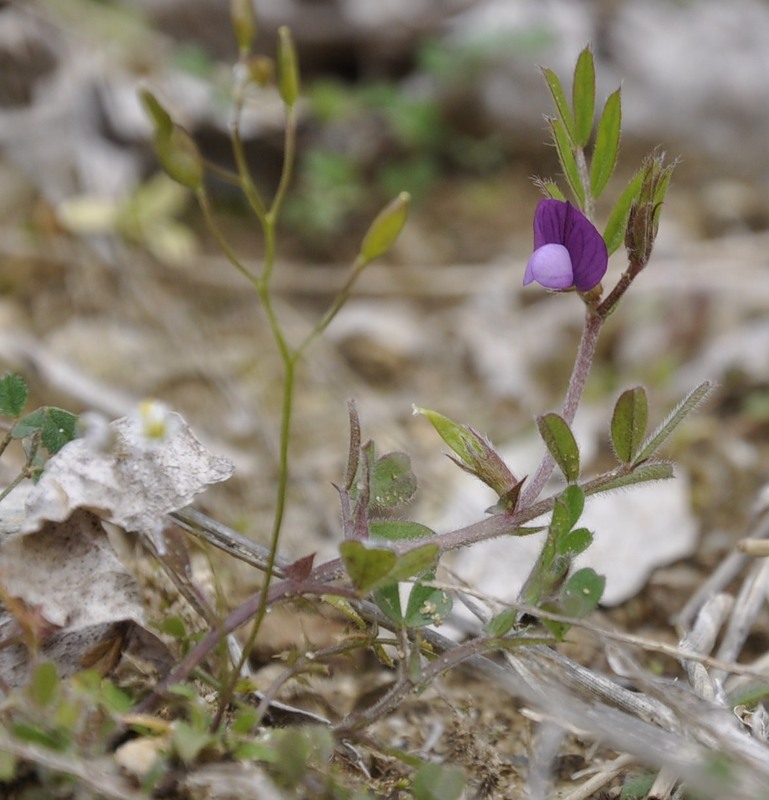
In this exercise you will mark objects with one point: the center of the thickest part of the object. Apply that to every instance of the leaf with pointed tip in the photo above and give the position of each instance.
(560, 441)
(583, 97)
(673, 420)
(628, 423)
(501, 623)
(643, 473)
(565, 152)
(614, 232)
(561, 104)
(452, 433)
(606, 147)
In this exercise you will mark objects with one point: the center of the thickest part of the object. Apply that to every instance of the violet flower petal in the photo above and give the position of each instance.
(558, 222)
(550, 266)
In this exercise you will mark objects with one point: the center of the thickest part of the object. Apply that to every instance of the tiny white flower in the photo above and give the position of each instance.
(156, 422)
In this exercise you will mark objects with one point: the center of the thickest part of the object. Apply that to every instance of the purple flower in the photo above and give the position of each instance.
(568, 250)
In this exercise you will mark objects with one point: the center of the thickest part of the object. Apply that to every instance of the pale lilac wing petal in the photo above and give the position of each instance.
(549, 222)
(550, 265)
(587, 248)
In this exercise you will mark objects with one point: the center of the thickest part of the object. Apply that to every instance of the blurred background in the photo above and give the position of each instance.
(112, 290)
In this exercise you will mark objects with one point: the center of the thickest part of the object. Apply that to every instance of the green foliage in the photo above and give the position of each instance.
(616, 224)
(550, 586)
(425, 606)
(476, 455)
(583, 97)
(561, 444)
(371, 567)
(438, 782)
(568, 160)
(392, 481)
(628, 423)
(13, 395)
(673, 420)
(55, 427)
(606, 149)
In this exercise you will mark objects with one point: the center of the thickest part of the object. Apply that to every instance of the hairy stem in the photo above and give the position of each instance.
(581, 370)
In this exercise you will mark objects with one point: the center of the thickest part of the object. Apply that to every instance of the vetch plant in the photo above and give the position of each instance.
(379, 553)
(384, 580)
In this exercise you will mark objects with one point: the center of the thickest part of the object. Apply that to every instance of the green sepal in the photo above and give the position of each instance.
(606, 148)
(551, 189)
(628, 423)
(560, 441)
(583, 97)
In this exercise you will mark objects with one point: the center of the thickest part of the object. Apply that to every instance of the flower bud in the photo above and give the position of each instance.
(643, 220)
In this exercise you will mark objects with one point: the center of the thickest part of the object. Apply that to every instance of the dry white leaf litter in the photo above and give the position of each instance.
(58, 571)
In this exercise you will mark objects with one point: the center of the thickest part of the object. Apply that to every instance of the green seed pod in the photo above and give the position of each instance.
(385, 229)
(161, 119)
(180, 158)
(243, 24)
(288, 65)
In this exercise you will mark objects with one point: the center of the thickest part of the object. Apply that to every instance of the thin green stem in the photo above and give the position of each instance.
(22, 476)
(608, 306)
(6, 440)
(339, 301)
(224, 245)
(246, 181)
(289, 157)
